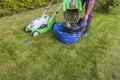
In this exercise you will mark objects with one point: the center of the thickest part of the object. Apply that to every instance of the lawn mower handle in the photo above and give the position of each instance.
(56, 12)
(46, 9)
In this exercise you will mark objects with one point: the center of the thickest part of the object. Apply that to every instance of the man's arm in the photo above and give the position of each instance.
(90, 7)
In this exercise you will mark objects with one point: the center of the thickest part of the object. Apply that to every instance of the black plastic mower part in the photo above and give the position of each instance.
(43, 26)
(73, 29)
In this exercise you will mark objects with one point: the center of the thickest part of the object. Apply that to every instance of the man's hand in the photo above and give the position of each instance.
(90, 7)
(85, 18)
(72, 4)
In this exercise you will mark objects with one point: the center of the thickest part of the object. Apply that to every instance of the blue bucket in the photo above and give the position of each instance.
(65, 37)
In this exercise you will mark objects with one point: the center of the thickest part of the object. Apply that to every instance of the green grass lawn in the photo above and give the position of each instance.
(96, 57)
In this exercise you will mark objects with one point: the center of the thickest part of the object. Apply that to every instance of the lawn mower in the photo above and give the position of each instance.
(42, 24)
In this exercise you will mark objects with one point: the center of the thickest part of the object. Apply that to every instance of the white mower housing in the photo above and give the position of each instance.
(39, 23)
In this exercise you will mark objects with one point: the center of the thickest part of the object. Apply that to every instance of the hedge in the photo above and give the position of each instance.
(8, 7)
(107, 5)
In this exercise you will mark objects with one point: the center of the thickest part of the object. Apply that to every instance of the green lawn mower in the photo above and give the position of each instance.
(42, 24)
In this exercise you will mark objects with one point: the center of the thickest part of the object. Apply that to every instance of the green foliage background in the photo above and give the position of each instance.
(107, 5)
(8, 7)
(16, 6)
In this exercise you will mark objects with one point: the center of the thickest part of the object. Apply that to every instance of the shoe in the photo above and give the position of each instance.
(85, 34)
